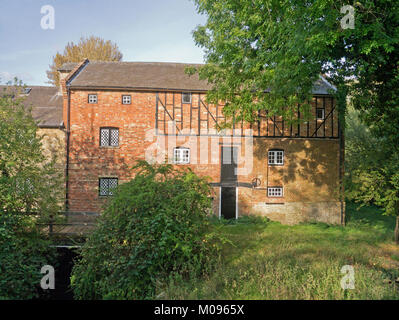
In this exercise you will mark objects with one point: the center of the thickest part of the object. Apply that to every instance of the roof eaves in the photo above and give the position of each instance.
(135, 88)
(331, 86)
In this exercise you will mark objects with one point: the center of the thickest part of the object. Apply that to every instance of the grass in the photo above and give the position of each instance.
(268, 260)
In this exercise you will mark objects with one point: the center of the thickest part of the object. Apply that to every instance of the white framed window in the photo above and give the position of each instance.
(320, 113)
(181, 155)
(106, 186)
(186, 97)
(92, 98)
(275, 192)
(276, 157)
(126, 99)
(109, 137)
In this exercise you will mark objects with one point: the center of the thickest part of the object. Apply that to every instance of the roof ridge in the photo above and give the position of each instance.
(142, 62)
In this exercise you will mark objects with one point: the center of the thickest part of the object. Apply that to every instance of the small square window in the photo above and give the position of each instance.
(320, 113)
(181, 155)
(109, 137)
(186, 97)
(126, 99)
(92, 98)
(106, 186)
(276, 157)
(275, 192)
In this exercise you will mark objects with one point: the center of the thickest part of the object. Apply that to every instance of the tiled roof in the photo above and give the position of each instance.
(46, 105)
(149, 76)
(138, 75)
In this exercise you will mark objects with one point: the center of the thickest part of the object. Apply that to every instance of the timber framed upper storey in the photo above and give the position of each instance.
(170, 82)
(198, 118)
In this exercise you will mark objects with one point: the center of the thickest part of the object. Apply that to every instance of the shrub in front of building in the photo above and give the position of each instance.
(154, 226)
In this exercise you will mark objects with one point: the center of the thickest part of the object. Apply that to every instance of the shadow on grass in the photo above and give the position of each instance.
(368, 216)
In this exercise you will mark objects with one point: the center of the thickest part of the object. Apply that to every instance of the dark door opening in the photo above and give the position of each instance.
(228, 210)
(228, 180)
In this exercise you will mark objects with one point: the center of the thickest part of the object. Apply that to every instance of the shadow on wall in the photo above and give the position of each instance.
(310, 167)
(87, 163)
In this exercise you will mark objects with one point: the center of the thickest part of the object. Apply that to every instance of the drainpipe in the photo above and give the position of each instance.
(68, 133)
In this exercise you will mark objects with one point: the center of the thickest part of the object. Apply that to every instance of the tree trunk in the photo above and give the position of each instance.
(397, 230)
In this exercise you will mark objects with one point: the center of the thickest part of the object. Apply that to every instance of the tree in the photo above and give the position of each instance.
(29, 181)
(266, 55)
(281, 47)
(372, 175)
(154, 225)
(30, 193)
(92, 47)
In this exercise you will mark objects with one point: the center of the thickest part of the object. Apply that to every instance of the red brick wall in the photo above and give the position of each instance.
(89, 161)
(310, 172)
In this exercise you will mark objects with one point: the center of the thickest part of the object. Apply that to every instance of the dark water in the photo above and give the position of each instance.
(62, 289)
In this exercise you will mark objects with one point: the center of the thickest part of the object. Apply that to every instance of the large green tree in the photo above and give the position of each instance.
(281, 47)
(372, 168)
(253, 46)
(30, 194)
(94, 48)
(29, 181)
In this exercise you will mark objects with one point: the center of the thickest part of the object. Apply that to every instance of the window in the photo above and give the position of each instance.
(126, 99)
(109, 137)
(106, 186)
(92, 98)
(24, 186)
(274, 192)
(276, 157)
(181, 155)
(320, 113)
(186, 97)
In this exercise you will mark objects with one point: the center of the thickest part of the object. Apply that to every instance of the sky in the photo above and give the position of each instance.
(144, 30)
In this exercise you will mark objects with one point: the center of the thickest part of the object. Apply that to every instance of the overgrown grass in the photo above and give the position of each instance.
(267, 260)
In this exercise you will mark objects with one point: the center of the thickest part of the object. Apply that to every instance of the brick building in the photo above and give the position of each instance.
(107, 115)
(118, 112)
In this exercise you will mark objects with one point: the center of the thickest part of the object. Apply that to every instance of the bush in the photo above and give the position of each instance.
(22, 255)
(154, 226)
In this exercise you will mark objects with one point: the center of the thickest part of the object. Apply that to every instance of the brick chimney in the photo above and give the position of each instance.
(67, 72)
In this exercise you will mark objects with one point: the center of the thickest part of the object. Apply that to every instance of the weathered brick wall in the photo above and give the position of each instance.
(53, 142)
(309, 176)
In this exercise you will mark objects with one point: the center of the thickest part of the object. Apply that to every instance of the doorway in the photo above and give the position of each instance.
(228, 183)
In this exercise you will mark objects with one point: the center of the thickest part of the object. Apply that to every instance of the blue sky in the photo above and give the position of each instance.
(144, 30)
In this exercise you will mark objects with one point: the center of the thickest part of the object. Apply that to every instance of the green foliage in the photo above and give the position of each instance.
(154, 226)
(23, 252)
(254, 46)
(268, 260)
(372, 166)
(29, 181)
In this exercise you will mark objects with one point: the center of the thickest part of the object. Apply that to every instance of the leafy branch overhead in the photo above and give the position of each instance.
(281, 47)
